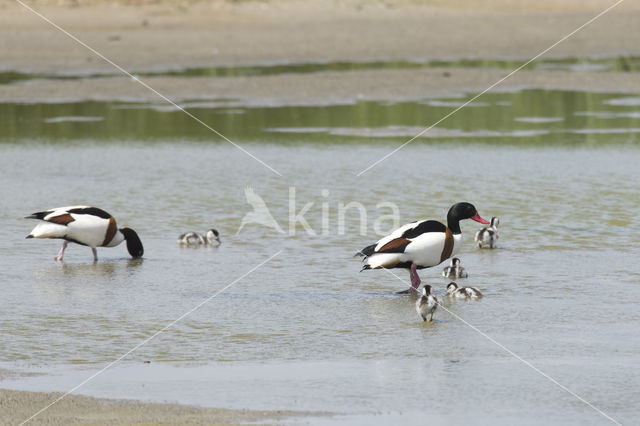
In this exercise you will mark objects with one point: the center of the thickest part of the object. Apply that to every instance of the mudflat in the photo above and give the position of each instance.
(167, 35)
(18, 406)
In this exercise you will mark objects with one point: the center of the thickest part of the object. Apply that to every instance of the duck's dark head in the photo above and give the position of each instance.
(495, 222)
(213, 234)
(134, 245)
(452, 287)
(426, 290)
(455, 262)
(462, 211)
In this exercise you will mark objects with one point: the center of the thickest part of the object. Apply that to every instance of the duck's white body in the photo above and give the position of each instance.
(426, 304)
(425, 250)
(463, 292)
(488, 237)
(87, 229)
(85, 225)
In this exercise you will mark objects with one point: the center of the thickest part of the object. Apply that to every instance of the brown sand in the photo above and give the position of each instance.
(17, 406)
(142, 36)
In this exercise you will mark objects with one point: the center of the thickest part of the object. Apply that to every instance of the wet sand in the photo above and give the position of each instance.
(177, 35)
(316, 89)
(17, 406)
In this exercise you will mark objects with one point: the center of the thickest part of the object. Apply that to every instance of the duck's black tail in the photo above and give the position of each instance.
(367, 251)
(38, 215)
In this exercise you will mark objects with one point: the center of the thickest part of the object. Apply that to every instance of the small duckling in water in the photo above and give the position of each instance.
(212, 238)
(454, 270)
(463, 292)
(191, 239)
(488, 236)
(426, 304)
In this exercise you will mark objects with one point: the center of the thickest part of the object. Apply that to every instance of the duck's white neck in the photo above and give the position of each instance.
(117, 239)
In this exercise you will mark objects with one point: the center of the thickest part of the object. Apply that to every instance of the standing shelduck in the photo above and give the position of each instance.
(488, 236)
(462, 292)
(211, 238)
(88, 226)
(420, 244)
(454, 270)
(426, 304)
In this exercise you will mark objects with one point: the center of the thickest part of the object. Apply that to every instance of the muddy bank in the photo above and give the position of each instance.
(17, 406)
(177, 35)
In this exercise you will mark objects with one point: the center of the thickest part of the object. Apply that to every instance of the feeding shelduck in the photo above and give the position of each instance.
(426, 304)
(454, 270)
(89, 226)
(463, 292)
(420, 244)
(212, 238)
(489, 235)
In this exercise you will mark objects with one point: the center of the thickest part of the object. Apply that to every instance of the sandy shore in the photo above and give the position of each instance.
(142, 36)
(17, 406)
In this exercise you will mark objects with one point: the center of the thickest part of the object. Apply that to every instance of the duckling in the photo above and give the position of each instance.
(191, 239)
(212, 238)
(454, 270)
(462, 292)
(426, 304)
(488, 236)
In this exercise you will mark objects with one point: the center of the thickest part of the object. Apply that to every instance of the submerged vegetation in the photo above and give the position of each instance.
(524, 117)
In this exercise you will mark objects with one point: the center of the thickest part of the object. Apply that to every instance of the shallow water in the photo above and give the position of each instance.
(527, 117)
(306, 331)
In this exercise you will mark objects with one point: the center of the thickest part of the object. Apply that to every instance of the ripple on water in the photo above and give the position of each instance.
(630, 101)
(73, 119)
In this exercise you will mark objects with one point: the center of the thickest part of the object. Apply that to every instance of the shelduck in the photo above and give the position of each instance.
(85, 225)
(420, 244)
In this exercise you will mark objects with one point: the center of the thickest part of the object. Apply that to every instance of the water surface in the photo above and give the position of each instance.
(307, 331)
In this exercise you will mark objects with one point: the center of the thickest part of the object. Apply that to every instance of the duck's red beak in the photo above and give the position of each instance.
(477, 218)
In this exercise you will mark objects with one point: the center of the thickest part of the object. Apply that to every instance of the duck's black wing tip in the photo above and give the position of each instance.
(367, 251)
(38, 215)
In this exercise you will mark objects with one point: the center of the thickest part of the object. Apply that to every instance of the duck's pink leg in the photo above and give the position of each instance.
(95, 254)
(415, 279)
(61, 252)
